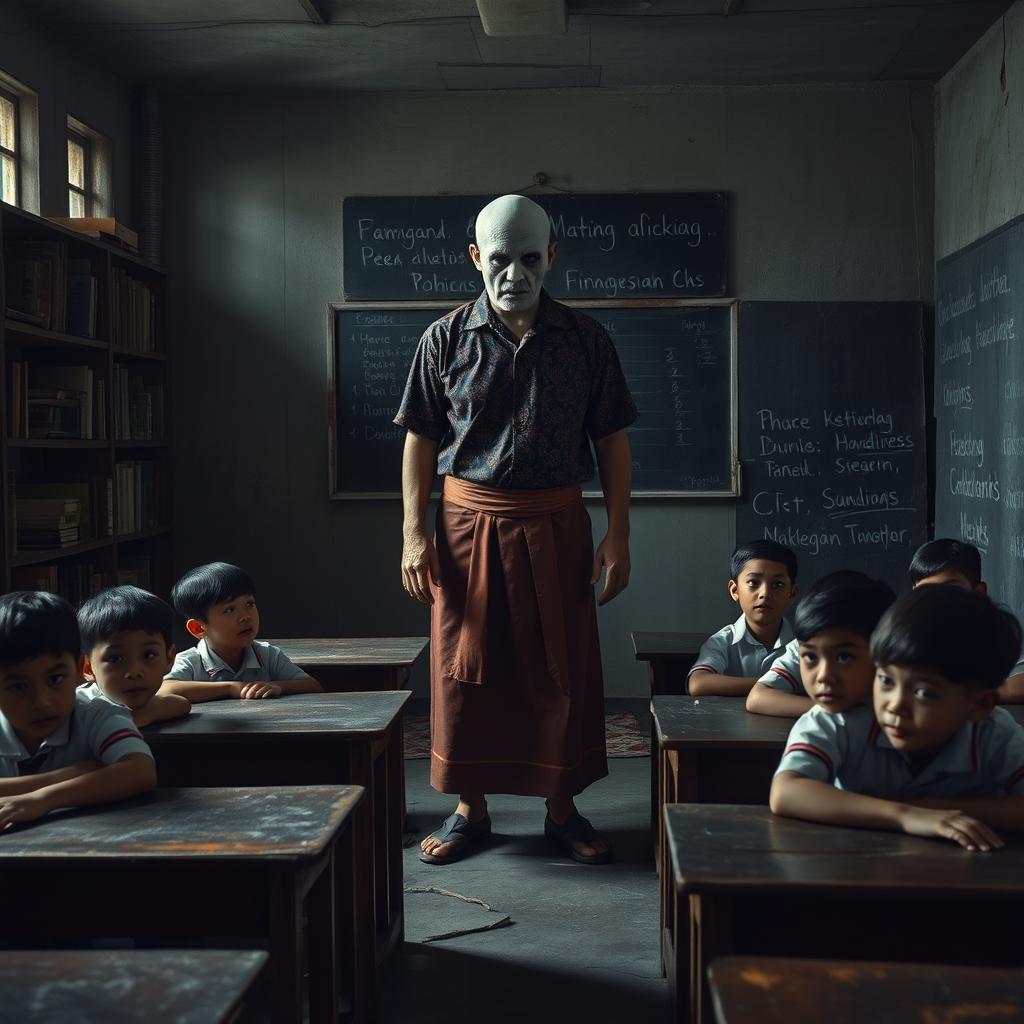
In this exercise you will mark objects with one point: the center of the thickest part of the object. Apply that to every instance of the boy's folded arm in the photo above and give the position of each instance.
(197, 691)
(161, 707)
(1012, 691)
(30, 783)
(766, 700)
(796, 796)
(1005, 812)
(704, 683)
(302, 684)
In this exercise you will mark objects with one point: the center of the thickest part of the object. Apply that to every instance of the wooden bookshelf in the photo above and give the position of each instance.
(126, 461)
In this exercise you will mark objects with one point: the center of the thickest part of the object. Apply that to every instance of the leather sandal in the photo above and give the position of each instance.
(576, 829)
(461, 833)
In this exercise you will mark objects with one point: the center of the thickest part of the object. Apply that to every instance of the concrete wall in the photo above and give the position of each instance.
(831, 200)
(979, 138)
(69, 82)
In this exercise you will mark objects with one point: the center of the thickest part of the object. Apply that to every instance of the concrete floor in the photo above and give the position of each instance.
(584, 943)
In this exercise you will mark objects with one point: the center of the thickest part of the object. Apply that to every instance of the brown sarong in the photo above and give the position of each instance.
(517, 702)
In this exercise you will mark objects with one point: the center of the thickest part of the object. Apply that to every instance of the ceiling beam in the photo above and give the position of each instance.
(731, 7)
(313, 11)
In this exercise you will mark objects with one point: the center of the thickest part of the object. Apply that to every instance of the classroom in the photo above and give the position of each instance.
(343, 340)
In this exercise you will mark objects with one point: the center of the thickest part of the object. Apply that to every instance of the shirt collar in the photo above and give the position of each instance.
(959, 755)
(215, 665)
(741, 632)
(549, 313)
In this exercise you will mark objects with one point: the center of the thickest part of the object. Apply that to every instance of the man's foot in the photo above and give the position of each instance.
(453, 836)
(566, 826)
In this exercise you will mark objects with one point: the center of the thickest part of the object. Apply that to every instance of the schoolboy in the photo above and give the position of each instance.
(218, 603)
(829, 663)
(945, 560)
(128, 648)
(935, 756)
(58, 748)
(762, 581)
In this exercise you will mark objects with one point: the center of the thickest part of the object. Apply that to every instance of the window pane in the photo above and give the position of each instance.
(76, 204)
(76, 164)
(10, 172)
(8, 137)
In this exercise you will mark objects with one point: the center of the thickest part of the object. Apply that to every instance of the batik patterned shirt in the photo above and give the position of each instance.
(516, 415)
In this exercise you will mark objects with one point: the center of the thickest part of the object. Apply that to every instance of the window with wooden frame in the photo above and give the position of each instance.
(10, 148)
(88, 171)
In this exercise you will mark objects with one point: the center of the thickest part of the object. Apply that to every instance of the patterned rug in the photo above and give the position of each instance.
(622, 734)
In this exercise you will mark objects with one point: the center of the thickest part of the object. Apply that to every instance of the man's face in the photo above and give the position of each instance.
(512, 253)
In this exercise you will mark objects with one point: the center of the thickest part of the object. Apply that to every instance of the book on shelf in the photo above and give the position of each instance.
(83, 298)
(95, 514)
(137, 497)
(138, 407)
(58, 401)
(134, 304)
(106, 228)
(36, 279)
(74, 580)
(138, 572)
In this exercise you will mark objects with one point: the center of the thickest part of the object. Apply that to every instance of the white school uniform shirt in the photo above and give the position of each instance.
(734, 651)
(263, 663)
(96, 730)
(784, 671)
(981, 760)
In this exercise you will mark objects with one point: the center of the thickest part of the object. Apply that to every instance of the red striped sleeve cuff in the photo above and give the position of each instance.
(808, 749)
(116, 737)
(703, 668)
(794, 684)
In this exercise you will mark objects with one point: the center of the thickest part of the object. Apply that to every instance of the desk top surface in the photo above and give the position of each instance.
(339, 716)
(293, 823)
(357, 652)
(730, 847)
(684, 722)
(648, 646)
(773, 990)
(124, 986)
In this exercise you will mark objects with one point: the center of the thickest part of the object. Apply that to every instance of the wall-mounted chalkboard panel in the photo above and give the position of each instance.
(979, 405)
(832, 433)
(679, 361)
(629, 246)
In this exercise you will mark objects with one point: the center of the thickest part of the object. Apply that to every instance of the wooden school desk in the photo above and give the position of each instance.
(669, 657)
(310, 739)
(357, 663)
(125, 986)
(187, 864)
(711, 750)
(771, 990)
(746, 882)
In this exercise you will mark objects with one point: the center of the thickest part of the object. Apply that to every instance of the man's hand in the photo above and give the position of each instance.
(420, 566)
(258, 691)
(970, 833)
(17, 809)
(613, 554)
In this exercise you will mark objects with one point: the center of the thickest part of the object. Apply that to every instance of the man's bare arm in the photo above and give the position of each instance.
(419, 556)
(615, 464)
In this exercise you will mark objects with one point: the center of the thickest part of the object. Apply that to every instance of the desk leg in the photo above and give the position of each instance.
(395, 799)
(357, 989)
(711, 936)
(668, 761)
(285, 948)
(322, 950)
(361, 773)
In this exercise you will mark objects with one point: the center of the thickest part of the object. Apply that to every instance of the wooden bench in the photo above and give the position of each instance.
(311, 739)
(341, 664)
(125, 986)
(231, 865)
(772, 990)
(745, 882)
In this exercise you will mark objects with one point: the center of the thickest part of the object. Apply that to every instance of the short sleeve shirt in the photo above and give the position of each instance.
(734, 651)
(784, 672)
(516, 415)
(96, 730)
(982, 759)
(263, 663)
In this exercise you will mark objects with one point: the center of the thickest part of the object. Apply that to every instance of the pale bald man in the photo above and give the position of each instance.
(505, 397)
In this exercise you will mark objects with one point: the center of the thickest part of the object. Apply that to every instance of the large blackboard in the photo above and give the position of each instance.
(979, 406)
(679, 361)
(640, 245)
(832, 433)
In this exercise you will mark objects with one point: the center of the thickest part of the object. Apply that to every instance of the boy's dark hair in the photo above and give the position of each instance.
(842, 600)
(959, 634)
(768, 550)
(123, 608)
(207, 585)
(944, 554)
(33, 623)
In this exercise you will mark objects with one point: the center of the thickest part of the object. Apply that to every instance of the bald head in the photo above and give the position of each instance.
(512, 252)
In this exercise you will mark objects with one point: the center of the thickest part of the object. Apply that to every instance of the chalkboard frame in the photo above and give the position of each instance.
(335, 494)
